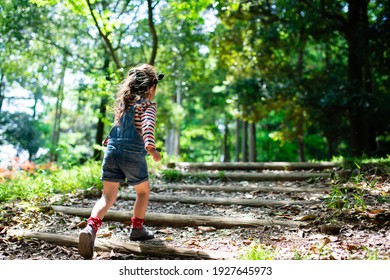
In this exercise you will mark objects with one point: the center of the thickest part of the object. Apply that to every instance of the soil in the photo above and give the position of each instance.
(342, 225)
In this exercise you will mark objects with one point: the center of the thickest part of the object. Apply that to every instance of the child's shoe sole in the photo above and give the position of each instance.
(85, 245)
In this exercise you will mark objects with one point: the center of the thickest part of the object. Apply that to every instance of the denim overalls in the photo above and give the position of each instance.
(125, 154)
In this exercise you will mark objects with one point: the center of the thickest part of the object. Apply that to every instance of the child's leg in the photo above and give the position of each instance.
(138, 231)
(110, 191)
(142, 200)
(88, 234)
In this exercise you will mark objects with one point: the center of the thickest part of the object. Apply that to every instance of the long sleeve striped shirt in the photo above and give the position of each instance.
(145, 121)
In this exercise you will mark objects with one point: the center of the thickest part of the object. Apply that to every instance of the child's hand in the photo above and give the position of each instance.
(155, 154)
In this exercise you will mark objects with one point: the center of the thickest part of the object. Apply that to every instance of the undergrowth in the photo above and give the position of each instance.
(348, 192)
(259, 252)
(42, 184)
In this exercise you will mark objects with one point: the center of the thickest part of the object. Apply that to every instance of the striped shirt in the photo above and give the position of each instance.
(145, 121)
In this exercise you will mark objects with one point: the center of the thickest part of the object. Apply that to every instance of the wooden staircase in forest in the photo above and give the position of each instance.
(227, 178)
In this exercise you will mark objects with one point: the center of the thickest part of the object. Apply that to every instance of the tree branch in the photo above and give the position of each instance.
(153, 32)
(105, 38)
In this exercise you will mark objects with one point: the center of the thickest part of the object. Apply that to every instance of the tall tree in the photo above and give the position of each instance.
(359, 77)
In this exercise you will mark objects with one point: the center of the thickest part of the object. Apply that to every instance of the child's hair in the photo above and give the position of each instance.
(135, 86)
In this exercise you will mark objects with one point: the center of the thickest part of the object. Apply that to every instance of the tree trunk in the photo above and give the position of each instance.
(172, 142)
(252, 142)
(173, 135)
(153, 32)
(97, 153)
(55, 137)
(301, 147)
(331, 141)
(301, 119)
(226, 147)
(37, 96)
(244, 141)
(177, 220)
(362, 127)
(238, 142)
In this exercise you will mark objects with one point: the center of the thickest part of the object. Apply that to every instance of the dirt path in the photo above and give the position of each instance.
(358, 227)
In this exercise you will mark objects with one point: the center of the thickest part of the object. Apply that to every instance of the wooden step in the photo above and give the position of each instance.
(137, 248)
(250, 202)
(255, 165)
(176, 220)
(254, 176)
(237, 188)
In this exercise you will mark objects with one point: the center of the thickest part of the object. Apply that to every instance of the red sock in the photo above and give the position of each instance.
(137, 223)
(95, 222)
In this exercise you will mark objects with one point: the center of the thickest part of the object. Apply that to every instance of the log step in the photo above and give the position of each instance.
(176, 220)
(237, 188)
(146, 249)
(255, 165)
(247, 176)
(220, 201)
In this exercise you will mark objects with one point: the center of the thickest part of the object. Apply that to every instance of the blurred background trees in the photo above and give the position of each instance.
(244, 80)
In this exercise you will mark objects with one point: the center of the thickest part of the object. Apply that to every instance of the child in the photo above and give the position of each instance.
(129, 141)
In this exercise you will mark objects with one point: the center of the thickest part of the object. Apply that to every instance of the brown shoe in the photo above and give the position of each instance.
(141, 234)
(87, 242)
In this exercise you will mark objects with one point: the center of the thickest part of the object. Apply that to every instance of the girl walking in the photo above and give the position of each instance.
(130, 140)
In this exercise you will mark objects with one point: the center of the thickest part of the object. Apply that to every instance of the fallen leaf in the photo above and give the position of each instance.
(307, 217)
(247, 242)
(376, 211)
(326, 240)
(351, 247)
(82, 224)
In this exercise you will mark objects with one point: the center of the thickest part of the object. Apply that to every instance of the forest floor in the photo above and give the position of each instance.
(349, 220)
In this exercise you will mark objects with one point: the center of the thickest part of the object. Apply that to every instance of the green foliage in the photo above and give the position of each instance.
(348, 193)
(371, 254)
(280, 64)
(44, 184)
(171, 175)
(259, 252)
(22, 131)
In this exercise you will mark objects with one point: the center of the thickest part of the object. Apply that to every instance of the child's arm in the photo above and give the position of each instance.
(148, 123)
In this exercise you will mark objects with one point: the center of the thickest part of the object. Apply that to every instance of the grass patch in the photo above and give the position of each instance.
(43, 184)
(171, 175)
(374, 166)
(341, 198)
(259, 252)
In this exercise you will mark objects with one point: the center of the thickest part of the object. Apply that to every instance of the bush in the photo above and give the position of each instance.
(43, 184)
